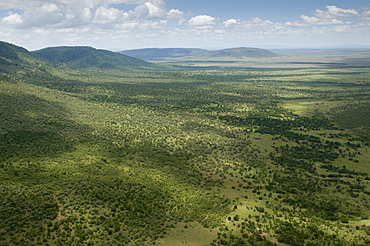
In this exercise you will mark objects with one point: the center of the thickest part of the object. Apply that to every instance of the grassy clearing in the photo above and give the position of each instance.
(357, 162)
(303, 107)
(189, 234)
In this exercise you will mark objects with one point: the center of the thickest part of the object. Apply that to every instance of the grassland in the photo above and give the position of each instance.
(271, 154)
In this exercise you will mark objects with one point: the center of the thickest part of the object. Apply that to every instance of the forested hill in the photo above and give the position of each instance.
(81, 57)
(13, 57)
(155, 53)
(10, 51)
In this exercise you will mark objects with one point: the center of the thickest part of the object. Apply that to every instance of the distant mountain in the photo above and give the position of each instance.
(158, 54)
(81, 57)
(238, 53)
(155, 53)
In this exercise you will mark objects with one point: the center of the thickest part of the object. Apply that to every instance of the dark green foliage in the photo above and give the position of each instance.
(11, 52)
(31, 144)
(356, 118)
(13, 59)
(20, 203)
(63, 54)
(267, 124)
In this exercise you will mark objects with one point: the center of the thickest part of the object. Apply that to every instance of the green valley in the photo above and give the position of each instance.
(270, 152)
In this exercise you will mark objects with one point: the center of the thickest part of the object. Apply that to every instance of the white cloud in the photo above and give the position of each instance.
(86, 15)
(47, 14)
(259, 22)
(13, 19)
(254, 22)
(341, 28)
(318, 21)
(175, 14)
(181, 21)
(147, 11)
(70, 13)
(128, 25)
(149, 23)
(155, 11)
(94, 4)
(366, 14)
(332, 16)
(105, 15)
(309, 19)
(202, 20)
(83, 21)
(334, 12)
(229, 22)
(152, 24)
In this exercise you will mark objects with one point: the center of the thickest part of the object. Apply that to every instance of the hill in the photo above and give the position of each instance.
(10, 52)
(241, 52)
(82, 57)
(14, 57)
(19, 64)
(155, 53)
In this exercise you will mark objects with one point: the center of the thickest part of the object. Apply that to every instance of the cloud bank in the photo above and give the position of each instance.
(148, 23)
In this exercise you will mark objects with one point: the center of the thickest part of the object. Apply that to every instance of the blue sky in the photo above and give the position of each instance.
(129, 24)
(274, 10)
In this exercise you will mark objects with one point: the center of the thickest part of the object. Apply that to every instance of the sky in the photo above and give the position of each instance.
(212, 24)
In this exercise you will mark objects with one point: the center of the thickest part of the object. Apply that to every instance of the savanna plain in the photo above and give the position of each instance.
(246, 151)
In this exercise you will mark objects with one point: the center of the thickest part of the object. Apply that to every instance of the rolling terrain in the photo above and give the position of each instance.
(102, 155)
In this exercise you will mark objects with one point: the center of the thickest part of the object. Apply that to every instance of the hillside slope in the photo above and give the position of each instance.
(10, 52)
(81, 57)
(13, 57)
